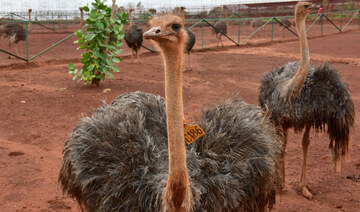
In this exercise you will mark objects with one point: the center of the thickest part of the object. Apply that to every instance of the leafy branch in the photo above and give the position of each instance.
(101, 43)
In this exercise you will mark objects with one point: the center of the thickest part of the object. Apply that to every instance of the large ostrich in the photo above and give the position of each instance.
(303, 96)
(190, 41)
(131, 155)
(222, 27)
(14, 33)
(133, 38)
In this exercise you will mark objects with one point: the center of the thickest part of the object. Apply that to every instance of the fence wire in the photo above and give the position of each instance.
(51, 37)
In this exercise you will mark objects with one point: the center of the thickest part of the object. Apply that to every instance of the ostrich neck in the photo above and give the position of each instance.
(297, 81)
(177, 188)
(130, 24)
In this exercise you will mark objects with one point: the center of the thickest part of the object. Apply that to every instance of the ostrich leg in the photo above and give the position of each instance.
(189, 67)
(282, 164)
(305, 143)
(221, 41)
(132, 56)
(137, 56)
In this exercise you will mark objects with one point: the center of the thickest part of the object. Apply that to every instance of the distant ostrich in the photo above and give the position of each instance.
(14, 33)
(286, 22)
(131, 155)
(221, 26)
(190, 42)
(254, 24)
(302, 96)
(133, 38)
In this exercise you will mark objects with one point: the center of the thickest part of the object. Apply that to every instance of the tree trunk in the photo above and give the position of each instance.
(95, 82)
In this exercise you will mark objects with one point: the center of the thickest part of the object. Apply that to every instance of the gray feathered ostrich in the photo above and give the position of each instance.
(133, 38)
(131, 155)
(190, 41)
(221, 26)
(14, 33)
(303, 96)
(286, 22)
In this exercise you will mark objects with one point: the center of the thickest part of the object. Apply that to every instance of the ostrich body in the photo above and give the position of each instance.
(255, 23)
(222, 27)
(303, 96)
(131, 155)
(133, 38)
(286, 23)
(14, 33)
(190, 42)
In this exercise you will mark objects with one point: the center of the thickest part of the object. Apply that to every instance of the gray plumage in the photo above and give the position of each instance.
(286, 23)
(256, 23)
(117, 159)
(14, 32)
(325, 100)
(134, 37)
(221, 26)
(190, 42)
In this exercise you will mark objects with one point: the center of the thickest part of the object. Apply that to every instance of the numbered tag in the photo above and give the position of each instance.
(192, 132)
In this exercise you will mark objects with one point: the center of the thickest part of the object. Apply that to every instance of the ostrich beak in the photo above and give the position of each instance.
(155, 33)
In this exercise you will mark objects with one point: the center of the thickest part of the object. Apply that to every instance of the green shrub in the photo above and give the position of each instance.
(101, 44)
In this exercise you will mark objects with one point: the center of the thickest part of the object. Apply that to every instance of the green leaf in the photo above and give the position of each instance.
(71, 66)
(79, 33)
(110, 75)
(89, 36)
(86, 9)
(115, 69)
(91, 67)
(116, 60)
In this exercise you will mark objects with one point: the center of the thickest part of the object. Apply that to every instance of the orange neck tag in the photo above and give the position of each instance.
(192, 133)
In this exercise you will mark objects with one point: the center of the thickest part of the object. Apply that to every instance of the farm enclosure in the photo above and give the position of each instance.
(41, 105)
(47, 34)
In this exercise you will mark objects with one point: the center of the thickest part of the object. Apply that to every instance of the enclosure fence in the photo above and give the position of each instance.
(47, 32)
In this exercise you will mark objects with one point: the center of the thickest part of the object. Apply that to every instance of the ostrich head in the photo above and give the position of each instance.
(130, 10)
(304, 8)
(167, 32)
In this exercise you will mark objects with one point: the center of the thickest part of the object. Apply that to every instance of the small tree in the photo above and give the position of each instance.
(101, 42)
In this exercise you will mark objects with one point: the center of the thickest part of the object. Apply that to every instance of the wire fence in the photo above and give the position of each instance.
(52, 38)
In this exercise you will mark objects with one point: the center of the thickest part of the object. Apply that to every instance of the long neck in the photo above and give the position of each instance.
(227, 22)
(131, 23)
(297, 81)
(178, 187)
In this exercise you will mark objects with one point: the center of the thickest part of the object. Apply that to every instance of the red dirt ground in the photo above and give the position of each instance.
(40, 105)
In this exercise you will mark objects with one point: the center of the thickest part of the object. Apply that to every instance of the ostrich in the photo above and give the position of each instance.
(286, 22)
(303, 96)
(220, 27)
(190, 42)
(255, 23)
(14, 33)
(131, 155)
(133, 38)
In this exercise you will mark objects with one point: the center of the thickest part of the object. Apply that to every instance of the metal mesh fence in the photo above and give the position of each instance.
(49, 36)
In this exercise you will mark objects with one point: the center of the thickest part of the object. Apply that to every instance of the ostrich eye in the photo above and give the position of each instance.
(306, 6)
(176, 27)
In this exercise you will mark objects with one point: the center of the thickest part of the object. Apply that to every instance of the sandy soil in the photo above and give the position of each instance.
(40, 105)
